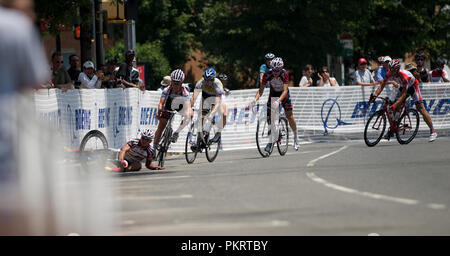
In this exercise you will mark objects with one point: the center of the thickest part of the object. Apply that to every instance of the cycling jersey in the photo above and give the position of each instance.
(277, 86)
(137, 153)
(169, 94)
(436, 76)
(214, 89)
(408, 82)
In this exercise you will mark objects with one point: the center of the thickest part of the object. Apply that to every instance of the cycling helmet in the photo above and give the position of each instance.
(177, 75)
(223, 77)
(209, 74)
(277, 63)
(419, 56)
(269, 56)
(394, 65)
(440, 63)
(147, 133)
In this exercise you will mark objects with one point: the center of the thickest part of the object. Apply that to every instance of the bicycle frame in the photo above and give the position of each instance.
(392, 123)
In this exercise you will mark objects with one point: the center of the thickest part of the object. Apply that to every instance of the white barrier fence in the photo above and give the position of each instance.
(121, 114)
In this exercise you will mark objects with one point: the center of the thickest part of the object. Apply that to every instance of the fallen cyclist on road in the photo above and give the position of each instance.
(136, 150)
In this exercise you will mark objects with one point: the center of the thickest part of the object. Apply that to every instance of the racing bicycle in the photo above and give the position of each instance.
(405, 128)
(263, 132)
(196, 144)
(166, 139)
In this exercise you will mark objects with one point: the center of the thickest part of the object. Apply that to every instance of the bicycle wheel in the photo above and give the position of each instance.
(408, 125)
(374, 130)
(212, 150)
(93, 150)
(164, 146)
(263, 137)
(283, 139)
(190, 150)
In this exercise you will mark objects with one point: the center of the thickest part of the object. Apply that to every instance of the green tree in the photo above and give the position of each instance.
(170, 23)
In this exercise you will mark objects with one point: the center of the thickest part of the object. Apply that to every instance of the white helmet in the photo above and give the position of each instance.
(277, 63)
(177, 75)
(148, 133)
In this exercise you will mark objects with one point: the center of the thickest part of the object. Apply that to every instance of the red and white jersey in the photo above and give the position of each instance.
(404, 78)
(137, 153)
(436, 77)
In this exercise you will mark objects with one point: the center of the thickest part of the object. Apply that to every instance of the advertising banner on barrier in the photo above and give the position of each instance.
(121, 114)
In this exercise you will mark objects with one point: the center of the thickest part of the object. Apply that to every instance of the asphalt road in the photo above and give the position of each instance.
(330, 188)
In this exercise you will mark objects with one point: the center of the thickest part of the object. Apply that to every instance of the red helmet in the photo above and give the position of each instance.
(394, 65)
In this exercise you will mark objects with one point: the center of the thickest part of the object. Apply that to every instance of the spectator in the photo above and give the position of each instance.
(439, 75)
(263, 68)
(87, 78)
(325, 79)
(135, 77)
(73, 71)
(164, 83)
(306, 80)
(420, 62)
(224, 79)
(381, 71)
(375, 71)
(411, 67)
(60, 77)
(110, 74)
(362, 75)
(125, 75)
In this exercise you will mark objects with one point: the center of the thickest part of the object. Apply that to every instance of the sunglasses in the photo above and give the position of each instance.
(60, 62)
(276, 70)
(145, 138)
(325, 71)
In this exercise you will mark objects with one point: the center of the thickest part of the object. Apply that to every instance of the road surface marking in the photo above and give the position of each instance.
(141, 198)
(313, 162)
(154, 178)
(437, 206)
(407, 201)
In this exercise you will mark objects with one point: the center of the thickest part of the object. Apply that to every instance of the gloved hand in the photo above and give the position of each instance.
(372, 98)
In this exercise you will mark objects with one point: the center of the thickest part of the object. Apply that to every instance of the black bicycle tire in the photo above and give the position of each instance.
(283, 119)
(383, 116)
(89, 135)
(214, 156)
(261, 151)
(186, 147)
(165, 146)
(416, 113)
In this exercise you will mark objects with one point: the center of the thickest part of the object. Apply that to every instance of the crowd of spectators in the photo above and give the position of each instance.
(111, 75)
(125, 75)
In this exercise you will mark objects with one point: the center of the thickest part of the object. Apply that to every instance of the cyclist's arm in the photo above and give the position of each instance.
(284, 93)
(260, 92)
(216, 106)
(401, 99)
(123, 151)
(380, 88)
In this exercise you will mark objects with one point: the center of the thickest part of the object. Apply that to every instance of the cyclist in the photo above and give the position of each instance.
(278, 79)
(408, 86)
(212, 99)
(136, 150)
(174, 97)
(264, 68)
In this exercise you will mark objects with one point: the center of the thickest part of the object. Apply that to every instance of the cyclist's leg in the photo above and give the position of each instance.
(418, 100)
(161, 126)
(185, 112)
